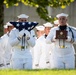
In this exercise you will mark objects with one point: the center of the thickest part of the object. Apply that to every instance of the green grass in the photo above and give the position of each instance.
(38, 72)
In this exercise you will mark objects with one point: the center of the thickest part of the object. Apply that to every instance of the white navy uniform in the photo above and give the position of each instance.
(6, 47)
(62, 57)
(1, 56)
(31, 48)
(21, 58)
(41, 53)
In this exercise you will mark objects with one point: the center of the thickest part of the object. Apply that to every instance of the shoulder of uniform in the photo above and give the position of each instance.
(73, 28)
(3, 35)
(33, 33)
(14, 29)
(54, 29)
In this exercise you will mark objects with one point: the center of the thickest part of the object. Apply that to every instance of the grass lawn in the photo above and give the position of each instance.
(38, 72)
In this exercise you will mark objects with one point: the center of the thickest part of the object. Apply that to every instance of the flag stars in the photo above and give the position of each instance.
(28, 28)
(23, 23)
(29, 23)
(18, 25)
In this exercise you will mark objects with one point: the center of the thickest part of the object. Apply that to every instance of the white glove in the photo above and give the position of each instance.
(68, 39)
(54, 39)
(27, 34)
(21, 33)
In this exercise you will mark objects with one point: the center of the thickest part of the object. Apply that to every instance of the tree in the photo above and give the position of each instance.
(1, 17)
(41, 7)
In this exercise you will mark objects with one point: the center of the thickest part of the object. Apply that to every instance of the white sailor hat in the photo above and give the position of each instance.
(23, 16)
(56, 22)
(41, 28)
(48, 24)
(5, 26)
(62, 14)
(9, 24)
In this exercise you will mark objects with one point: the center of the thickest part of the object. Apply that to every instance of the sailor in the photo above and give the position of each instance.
(62, 55)
(1, 49)
(48, 47)
(20, 41)
(5, 29)
(41, 49)
(23, 18)
(1, 56)
(6, 46)
(39, 33)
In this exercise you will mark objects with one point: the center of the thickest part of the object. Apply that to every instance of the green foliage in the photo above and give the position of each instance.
(43, 13)
(41, 6)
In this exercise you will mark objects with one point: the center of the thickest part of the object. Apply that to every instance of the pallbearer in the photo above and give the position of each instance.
(21, 39)
(63, 36)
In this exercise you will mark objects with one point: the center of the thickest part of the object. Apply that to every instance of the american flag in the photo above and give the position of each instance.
(24, 25)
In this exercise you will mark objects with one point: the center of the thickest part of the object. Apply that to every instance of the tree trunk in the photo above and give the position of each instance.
(1, 18)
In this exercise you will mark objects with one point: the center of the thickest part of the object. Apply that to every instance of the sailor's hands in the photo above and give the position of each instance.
(68, 39)
(21, 33)
(54, 39)
(27, 34)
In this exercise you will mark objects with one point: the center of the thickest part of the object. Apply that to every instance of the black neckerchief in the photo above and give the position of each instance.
(45, 35)
(63, 27)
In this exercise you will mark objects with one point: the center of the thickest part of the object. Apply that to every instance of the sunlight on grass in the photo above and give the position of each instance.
(38, 72)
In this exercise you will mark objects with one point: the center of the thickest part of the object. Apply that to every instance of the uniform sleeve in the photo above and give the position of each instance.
(72, 30)
(13, 38)
(31, 41)
(37, 52)
(50, 37)
(74, 33)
